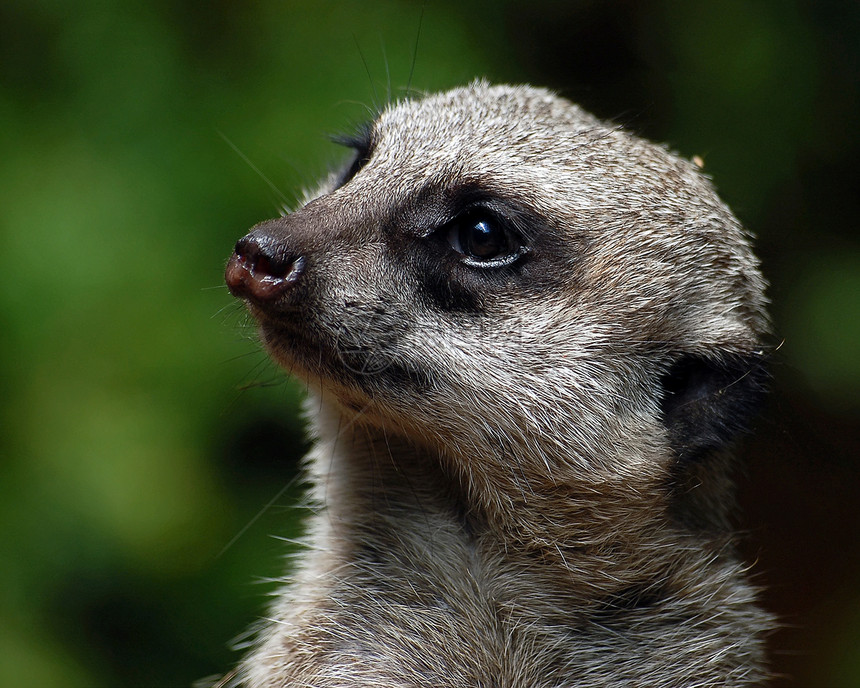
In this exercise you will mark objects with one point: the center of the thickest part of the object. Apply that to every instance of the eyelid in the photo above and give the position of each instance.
(361, 141)
(361, 159)
(361, 138)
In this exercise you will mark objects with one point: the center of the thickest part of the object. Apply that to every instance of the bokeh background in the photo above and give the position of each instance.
(148, 449)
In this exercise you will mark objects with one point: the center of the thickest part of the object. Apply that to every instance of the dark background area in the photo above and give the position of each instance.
(148, 449)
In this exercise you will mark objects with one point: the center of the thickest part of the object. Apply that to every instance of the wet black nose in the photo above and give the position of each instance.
(260, 268)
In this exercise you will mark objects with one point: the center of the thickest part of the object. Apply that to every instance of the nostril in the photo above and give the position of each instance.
(261, 270)
(249, 249)
(273, 267)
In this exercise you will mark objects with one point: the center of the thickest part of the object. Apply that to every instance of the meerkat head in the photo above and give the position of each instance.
(506, 278)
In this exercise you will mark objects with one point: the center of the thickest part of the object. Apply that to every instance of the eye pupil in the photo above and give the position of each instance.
(483, 240)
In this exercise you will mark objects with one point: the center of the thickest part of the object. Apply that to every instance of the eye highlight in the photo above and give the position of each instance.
(483, 239)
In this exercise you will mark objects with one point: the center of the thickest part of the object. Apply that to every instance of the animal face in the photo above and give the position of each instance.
(497, 267)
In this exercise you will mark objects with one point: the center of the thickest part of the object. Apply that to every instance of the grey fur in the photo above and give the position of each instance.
(516, 485)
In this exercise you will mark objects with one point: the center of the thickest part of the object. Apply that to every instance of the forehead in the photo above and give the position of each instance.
(501, 137)
(515, 121)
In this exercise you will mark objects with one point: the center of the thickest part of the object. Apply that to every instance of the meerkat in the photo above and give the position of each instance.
(530, 339)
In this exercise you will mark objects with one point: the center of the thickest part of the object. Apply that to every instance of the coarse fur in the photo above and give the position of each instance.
(522, 463)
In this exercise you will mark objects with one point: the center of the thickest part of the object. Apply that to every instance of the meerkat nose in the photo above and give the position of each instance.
(260, 270)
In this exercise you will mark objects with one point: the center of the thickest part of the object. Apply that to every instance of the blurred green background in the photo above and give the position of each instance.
(148, 449)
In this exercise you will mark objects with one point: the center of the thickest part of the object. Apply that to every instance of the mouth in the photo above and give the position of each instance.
(350, 379)
(291, 344)
(357, 370)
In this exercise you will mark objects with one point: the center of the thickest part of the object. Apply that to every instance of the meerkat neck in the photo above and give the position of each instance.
(386, 496)
(403, 554)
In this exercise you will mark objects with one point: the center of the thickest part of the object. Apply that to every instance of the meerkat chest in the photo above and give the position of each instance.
(447, 613)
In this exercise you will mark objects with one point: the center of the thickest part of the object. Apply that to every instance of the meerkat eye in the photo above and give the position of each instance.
(483, 240)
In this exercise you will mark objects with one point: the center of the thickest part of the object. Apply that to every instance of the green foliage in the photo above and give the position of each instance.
(124, 358)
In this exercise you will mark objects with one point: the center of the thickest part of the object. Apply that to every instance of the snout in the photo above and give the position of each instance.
(262, 269)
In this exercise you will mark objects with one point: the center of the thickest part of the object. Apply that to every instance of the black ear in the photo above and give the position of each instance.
(707, 403)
